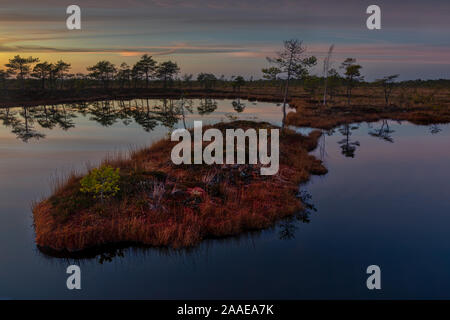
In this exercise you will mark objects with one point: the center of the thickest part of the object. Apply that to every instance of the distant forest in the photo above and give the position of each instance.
(32, 74)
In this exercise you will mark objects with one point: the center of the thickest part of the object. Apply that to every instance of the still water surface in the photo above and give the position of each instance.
(385, 201)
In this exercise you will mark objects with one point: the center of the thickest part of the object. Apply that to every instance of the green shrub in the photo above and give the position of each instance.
(101, 183)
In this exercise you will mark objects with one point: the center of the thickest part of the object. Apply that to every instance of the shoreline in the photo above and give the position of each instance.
(38, 98)
(327, 118)
(113, 249)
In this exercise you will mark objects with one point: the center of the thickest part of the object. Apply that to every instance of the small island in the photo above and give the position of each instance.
(327, 118)
(150, 201)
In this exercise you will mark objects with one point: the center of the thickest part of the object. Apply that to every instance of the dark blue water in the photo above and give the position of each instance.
(385, 201)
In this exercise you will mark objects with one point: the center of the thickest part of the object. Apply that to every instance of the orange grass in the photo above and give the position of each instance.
(154, 206)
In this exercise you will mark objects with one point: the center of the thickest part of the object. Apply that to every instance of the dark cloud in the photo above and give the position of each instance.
(304, 13)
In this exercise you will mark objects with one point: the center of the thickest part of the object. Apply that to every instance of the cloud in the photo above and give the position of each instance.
(134, 51)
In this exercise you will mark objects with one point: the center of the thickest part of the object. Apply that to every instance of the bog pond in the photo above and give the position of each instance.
(385, 201)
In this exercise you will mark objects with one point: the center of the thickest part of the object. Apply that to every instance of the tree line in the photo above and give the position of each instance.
(146, 69)
(53, 75)
(290, 66)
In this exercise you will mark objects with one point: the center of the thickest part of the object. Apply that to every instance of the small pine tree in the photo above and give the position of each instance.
(101, 183)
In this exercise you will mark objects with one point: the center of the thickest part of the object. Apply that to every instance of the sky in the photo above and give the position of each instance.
(232, 37)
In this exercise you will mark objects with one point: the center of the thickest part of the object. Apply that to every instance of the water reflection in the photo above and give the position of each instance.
(319, 263)
(21, 123)
(323, 142)
(435, 129)
(383, 132)
(185, 106)
(348, 147)
(110, 255)
(288, 227)
(238, 106)
(104, 113)
(25, 122)
(207, 106)
(106, 254)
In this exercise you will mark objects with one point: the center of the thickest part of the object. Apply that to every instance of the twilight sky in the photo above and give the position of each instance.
(232, 37)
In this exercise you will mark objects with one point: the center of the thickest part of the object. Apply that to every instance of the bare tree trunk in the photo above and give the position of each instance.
(386, 96)
(325, 91)
(349, 93)
(286, 91)
(326, 67)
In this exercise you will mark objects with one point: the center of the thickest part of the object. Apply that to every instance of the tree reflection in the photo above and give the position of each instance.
(238, 106)
(206, 106)
(435, 129)
(8, 117)
(348, 147)
(384, 132)
(143, 115)
(167, 113)
(147, 113)
(109, 255)
(322, 143)
(103, 113)
(184, 106)
(82, 108)
(24, 128)
(125, 113)
(289, 226)
(46, 116)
